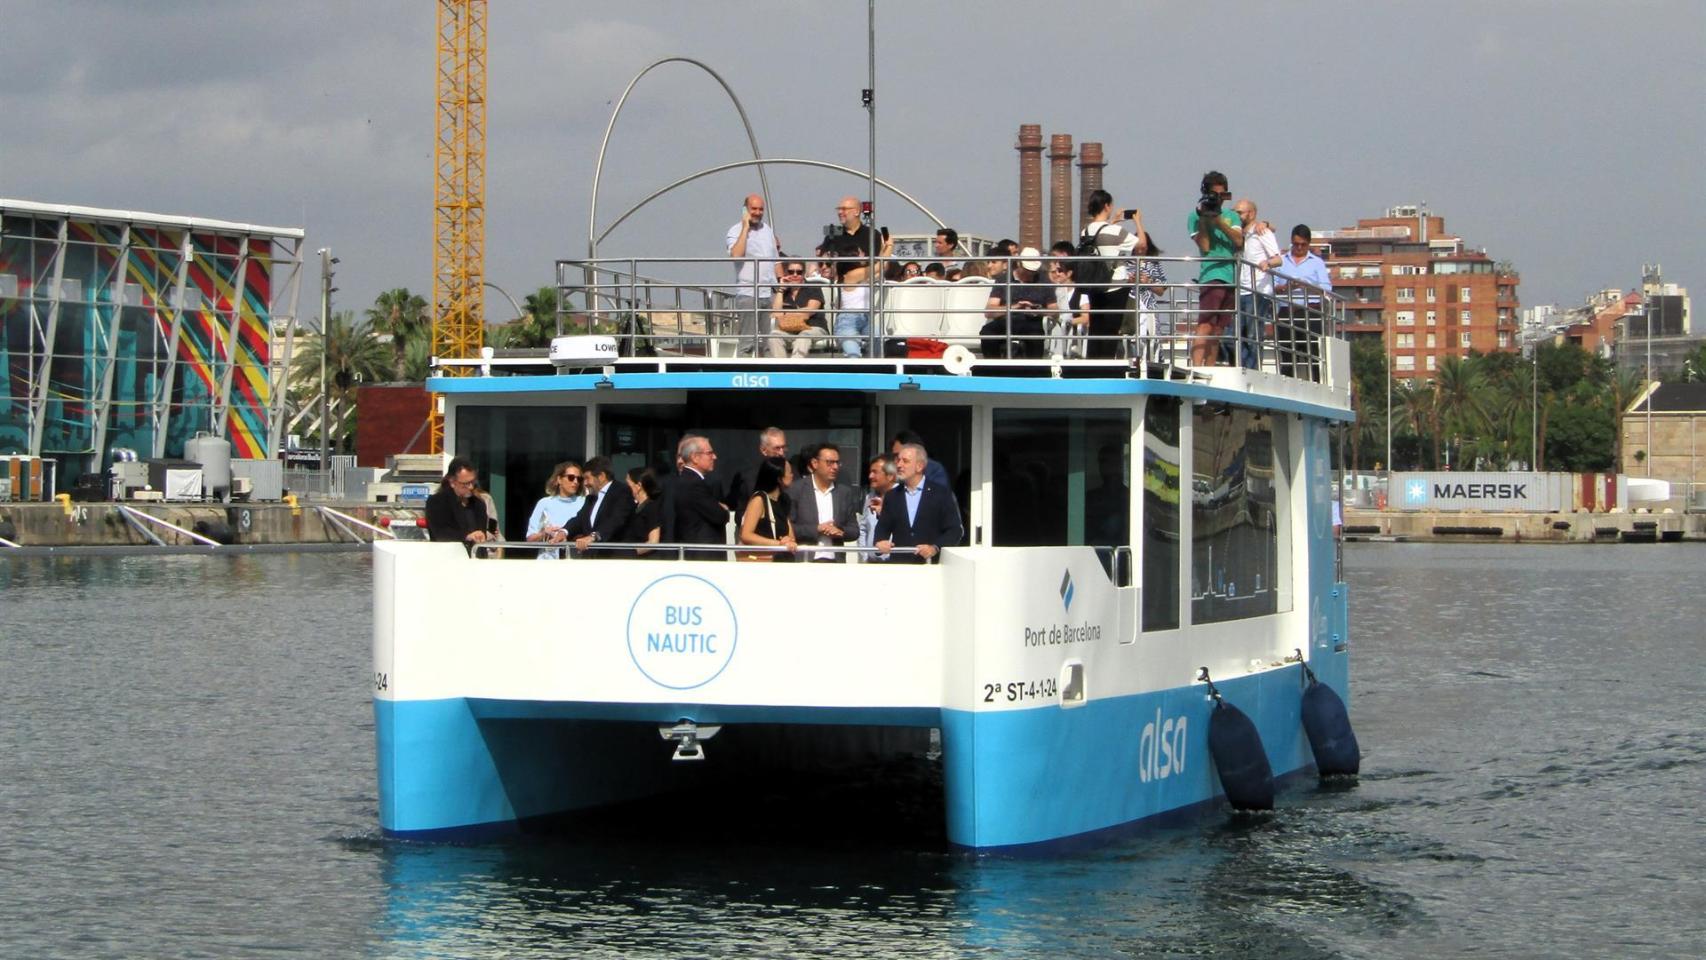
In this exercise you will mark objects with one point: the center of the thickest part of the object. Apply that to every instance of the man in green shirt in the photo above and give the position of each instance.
(1220, 237)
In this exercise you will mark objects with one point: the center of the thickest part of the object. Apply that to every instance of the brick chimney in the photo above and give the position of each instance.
(1090, 164)
(1060, 188)
(1030, 149)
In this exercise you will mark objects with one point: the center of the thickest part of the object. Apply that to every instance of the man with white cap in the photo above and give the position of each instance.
(1016, 308)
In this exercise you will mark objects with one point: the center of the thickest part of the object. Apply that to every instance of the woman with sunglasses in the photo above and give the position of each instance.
(562, 501)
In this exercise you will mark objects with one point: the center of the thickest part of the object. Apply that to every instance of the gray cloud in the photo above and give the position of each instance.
(1564, 136)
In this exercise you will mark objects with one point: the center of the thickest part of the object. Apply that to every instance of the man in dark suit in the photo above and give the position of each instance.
(916, 512)
(609, 505)
(691, 512)
(454, 513)
(821, 509)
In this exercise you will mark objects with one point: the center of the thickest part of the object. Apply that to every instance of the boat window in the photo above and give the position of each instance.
(514, 449)
(1235, 533)
(1061, 478)
(1161, 514)
(646, 434)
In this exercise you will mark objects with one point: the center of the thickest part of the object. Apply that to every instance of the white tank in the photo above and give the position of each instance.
(214, 455)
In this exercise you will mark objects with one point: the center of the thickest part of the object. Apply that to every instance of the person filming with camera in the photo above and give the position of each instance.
(1220, 239)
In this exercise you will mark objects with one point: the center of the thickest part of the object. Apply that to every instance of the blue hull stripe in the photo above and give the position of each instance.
(465, 769)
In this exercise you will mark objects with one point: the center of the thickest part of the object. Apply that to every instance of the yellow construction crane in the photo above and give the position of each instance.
(459, 190)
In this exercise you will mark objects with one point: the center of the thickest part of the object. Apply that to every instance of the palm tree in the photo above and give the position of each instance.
(353, 355)
(1417, 403)
(1460, 404)
(536, 325)
(403, 316)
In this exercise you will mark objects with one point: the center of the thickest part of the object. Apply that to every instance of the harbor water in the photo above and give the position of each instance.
(186, 770)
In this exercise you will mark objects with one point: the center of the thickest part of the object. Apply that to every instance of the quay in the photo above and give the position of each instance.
(1573, 526)
(307, 525)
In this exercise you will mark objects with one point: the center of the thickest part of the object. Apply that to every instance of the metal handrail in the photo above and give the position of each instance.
(1281, 330)
(626, 549)
(7, 543)
(133, 515)
(340, 520)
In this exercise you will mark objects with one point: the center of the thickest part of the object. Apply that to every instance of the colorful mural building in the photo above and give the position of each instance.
(125, 330)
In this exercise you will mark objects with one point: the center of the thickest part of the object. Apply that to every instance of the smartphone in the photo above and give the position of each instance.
(885, 232)
(1128, 214)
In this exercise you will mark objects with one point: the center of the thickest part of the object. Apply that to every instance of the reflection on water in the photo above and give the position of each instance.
(186, 770)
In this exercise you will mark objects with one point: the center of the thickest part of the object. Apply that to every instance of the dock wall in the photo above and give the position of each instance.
(103, 524)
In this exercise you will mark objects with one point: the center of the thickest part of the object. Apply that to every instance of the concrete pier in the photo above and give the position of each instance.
(104, 525)
(1466, 526)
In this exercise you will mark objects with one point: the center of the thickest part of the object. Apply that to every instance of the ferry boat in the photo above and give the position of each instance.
(1144, 541)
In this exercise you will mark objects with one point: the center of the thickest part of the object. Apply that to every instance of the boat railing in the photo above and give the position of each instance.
(848, 553)
(690, 307)
(348, 526)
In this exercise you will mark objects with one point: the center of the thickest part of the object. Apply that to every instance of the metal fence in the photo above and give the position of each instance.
(1155, 313)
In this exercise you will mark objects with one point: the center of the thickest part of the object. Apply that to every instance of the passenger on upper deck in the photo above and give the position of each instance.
(691, 513)
(946, 246)
(752, 245)
(609, 506)
(1299, 284)
(1015, 310)
(935, 270)
(1108, 304)
(1255, 284)
(454, 514)
(1220, 239)
(854, 246)
(551, 515)
(797, 311)
(764, 521)
(823, 510)
(917, 513)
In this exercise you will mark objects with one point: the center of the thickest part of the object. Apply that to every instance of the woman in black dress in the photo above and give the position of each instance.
(764, 522)
(646, 525)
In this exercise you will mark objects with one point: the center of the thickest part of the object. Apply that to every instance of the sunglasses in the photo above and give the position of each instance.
(570, 476)
(792, 272)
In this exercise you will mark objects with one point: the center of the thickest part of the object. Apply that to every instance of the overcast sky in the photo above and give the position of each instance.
(1567, 136)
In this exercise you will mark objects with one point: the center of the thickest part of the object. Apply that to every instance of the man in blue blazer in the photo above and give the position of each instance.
(916, 512)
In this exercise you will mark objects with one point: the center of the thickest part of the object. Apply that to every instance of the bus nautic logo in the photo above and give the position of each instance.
(682, 631)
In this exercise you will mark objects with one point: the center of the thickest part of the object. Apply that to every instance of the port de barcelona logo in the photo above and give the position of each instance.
(682, 631)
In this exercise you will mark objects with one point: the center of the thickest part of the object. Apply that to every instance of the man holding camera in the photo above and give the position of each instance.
(1220, 239)
(854, 244)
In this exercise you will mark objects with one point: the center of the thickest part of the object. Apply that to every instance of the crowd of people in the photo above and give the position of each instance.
(791, 509)
(1099, 298)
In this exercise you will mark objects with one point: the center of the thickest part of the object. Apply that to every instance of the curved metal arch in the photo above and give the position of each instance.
(592, 236)
(822, 164)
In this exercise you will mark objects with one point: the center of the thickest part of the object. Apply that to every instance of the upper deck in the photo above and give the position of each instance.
(698, 329)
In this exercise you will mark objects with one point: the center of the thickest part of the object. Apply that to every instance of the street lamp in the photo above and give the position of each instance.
(326, 290)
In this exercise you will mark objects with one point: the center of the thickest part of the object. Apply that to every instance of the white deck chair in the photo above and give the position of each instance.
(912, 308)
(962, 311)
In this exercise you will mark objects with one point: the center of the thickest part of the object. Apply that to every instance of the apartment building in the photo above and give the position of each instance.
(1422, 290)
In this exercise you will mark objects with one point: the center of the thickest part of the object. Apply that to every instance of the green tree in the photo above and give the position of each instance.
(353, 356)
(405, 318)
(1694, 365)
(536, 325)
(1460, 401)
